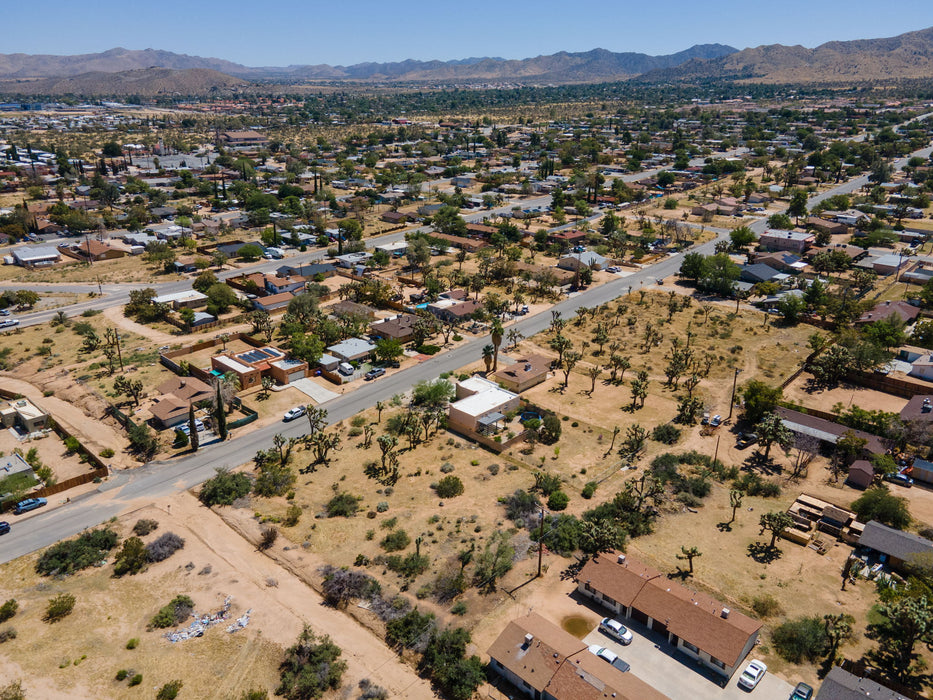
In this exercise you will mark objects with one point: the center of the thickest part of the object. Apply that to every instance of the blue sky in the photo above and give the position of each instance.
(311, 31)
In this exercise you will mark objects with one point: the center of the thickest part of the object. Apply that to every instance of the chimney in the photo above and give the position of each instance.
(621, 559)
(529, 638)
(725, 613)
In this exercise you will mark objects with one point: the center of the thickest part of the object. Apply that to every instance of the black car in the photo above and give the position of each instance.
(746, 439)
(4, 527)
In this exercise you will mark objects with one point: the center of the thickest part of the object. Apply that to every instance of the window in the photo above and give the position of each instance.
(691, 647)
(717, 662)
(588, 587)
(608, 600)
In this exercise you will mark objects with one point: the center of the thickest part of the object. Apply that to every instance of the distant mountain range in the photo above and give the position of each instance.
(124, 71)
(907, 56)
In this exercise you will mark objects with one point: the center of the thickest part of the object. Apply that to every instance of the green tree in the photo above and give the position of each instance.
(132, 557)
(760, 399)
(224, 488)
(388, 349)
(905, 623)
(880, 504)
(775, 522)
(742, 237)
(798, 205)
(791, 307)
(770, 430)
(312, 666)
(193, 438)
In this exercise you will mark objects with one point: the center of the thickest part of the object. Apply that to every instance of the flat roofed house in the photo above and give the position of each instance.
(36, 256)
(696, 624)
(23, 414)
(352, 349)
(244, 139)
(480, 409)
(794, 241)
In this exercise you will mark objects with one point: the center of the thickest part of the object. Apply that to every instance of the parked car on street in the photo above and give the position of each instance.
(752, 674)
(293, 413)
(616, 630)
(374, 373)
(28, 504)
(9, 323)
(4, 527)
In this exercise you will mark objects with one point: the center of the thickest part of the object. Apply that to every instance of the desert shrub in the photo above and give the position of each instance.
(107, 453)
(689, 500)
(446, 468)
(558, 500)
(882, 505)
(292, 516)
(344, 505)
(698, 486)
(803, 638)
(132, 557)
(410, 630)
(69, 556)
(177, 611)
(254, 695)
(753, 485)
(311, 667)
(165, 546)
(340, 586)
(395, 541)
(550, 430)
(8, 609)
(562, 534)
(59, 607)
(6, 635)
(169, 691)
(369, 691)
(546, 483)
(449, 487)
(382, 506)
(358, 421)
(136, 679)
(668, 433)
(766, 606)
(408, 566)
(493, 469)
(267, 538)
(354, 432)
(520, 505)
(589, 490)
(133, 643)
(144, 526)
(459, 608)
(224, 488)
(121, 674)
(445, 659)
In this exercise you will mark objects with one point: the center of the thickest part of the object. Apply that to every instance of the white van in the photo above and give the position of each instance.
(346, 369)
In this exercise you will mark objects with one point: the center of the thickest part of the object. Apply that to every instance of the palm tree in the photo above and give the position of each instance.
(488, 351)
(497, 333)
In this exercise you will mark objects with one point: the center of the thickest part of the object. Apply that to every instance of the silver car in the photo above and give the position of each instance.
(616, 630)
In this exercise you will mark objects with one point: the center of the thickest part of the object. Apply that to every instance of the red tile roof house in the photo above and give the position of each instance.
(696, 624)
(545, 662)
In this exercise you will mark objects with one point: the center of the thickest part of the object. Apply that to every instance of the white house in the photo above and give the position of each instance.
(36, 256)
(480, 404)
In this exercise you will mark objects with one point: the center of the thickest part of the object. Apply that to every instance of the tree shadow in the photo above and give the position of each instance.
(757, 461)
(571, 571)
(724, 527)
(764, 553)
(682, 574)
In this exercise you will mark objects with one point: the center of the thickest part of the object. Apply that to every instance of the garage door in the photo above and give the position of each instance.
(295, 376)
(659, 627)
(639, 616)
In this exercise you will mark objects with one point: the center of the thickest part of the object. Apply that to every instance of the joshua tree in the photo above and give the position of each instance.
(688, 554)
(735, 502)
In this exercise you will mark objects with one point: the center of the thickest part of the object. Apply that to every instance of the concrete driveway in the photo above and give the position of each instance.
(678, 676)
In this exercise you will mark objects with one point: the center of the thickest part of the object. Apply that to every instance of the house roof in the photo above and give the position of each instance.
(861, 473)
(904, 311)
(759, 272)
(396, 326)
(483, 402)
(351, 347)
(524, 368)
(185, 388)
(919, 407)
(895, 543)
(839, 684)
(544, 656)
(694, 617)
(169, 406)
(825, 430)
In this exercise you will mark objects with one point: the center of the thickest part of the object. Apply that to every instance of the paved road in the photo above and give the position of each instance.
(43, 528)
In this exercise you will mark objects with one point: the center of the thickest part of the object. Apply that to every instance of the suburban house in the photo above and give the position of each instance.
(894, 547)
(243, 139)
(190, 298)
(36, 256)
(400, 327)
(480, 404)
(23, 414)
(905, 312)
(470, 245)
(922, 367)
(92, 250)
(176, 395)
(696, 624)
(824, 226)
(853, 252)
(252, 365)
(352, 349)
(889, 264)
(547, 663)
(351, 260)
(839, 684)
(454, 309)
(273, 301)
(524, 373)
(578, 261)
(394, 217)
(759, 272)
(571, 237)
(345, 307)
(480, 230)
(275, 284)
(918, 408)
(781, 261)
(13, 464)
(395, 248)
(794, 241)
(824, 430)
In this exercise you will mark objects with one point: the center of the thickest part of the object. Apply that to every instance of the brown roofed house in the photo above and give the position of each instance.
(885, 309)
(525, 373)
(186, 388)
(169, 411)
(399, 327)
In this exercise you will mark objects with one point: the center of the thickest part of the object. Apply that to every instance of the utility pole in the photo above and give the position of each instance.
(540, 541)
(732, 400)
(716, 452)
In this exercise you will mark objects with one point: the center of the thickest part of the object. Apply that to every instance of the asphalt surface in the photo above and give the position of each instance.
(41, 528)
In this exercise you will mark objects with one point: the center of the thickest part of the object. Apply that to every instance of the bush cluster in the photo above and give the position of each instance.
(177, 611)
(164, 546)
(70, 556)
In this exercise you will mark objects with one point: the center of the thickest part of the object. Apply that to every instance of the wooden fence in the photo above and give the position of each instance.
(905, 388)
